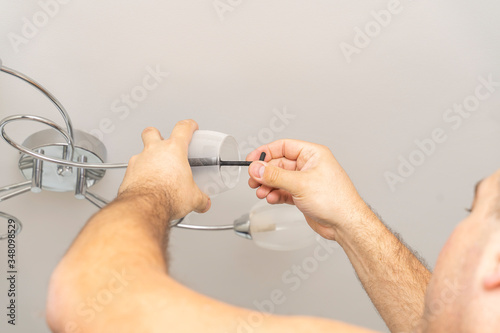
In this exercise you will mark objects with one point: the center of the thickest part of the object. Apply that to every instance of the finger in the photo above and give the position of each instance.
(150, 136)
(263, 191)
(259, 196)
(288, 148)
(284, 163)
(255, 155)
(276, 177)
(279, 197)
(204, 203)
(253, 183)
(183, 132)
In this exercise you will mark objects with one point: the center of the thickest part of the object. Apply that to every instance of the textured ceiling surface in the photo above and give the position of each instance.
(373, 80)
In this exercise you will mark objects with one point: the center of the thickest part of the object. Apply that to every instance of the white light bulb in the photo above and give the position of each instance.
(276, 227)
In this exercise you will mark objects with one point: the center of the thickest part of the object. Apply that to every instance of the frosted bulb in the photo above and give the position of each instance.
(278, 227)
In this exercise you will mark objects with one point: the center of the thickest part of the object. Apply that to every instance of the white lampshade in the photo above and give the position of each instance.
(207, 149)
(276, 227)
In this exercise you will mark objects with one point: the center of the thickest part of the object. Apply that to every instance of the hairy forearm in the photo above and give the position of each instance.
(393, 277)
(119, 251)
(134, 225)
(114, 278)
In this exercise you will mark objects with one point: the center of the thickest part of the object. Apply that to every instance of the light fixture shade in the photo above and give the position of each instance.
(206, 150)
(279, 227)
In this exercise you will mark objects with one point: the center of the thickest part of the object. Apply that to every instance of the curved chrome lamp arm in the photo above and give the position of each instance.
(205, 227)
(14, 186)
(19, 225)
(96, 200)
(53, 99)
(19, 188)
(15, 190)
(39, 156)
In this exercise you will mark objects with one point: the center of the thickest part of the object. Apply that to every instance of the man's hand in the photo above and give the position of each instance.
(309, 176)
(162, 172)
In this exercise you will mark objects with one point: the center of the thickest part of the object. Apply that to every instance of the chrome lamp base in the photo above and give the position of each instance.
(53, 176)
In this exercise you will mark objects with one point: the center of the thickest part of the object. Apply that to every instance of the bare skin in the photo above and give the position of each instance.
(115, 275)
(464, 292)
(308, 176)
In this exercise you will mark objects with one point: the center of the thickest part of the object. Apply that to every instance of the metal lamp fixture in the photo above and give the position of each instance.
(63, 159)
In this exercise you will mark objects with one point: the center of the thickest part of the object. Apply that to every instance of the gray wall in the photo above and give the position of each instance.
(229, 73)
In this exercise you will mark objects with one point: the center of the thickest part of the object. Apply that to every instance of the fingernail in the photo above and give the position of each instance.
(261, 171)
(258, 170)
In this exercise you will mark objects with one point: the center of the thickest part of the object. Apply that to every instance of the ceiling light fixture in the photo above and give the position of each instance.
(63, 159)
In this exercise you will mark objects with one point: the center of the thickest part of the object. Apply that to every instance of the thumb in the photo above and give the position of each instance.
(204, 203)
(274, 176)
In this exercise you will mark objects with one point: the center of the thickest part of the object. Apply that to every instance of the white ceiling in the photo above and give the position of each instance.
(230, 75)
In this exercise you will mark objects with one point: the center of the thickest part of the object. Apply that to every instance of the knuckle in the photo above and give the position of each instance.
(149, 129)
(324, 148)
(186, 122)
(133, 159)
(202, 201)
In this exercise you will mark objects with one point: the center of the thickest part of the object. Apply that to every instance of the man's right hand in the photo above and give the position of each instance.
(308, 176)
